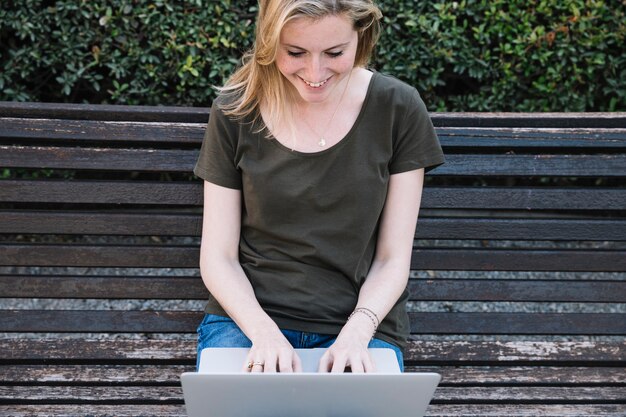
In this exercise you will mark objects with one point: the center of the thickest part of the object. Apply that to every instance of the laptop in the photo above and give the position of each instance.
(221, 389)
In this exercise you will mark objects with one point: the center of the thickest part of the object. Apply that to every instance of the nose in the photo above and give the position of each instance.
(315, 69)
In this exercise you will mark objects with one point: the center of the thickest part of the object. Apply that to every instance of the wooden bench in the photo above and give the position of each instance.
(518, 288)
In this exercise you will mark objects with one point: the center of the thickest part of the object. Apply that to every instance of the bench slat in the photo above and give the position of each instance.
(434, 410)
(443, 395)
(177, 193)
(432, 352)
(517, 290)
(424, 258)
(519, 323)
(175, 224)
(165, 160)
(123, 132)
(192, 288)
(525, 138)
(421, 323)
(101, 159)
(101, 192)
(518, 260)
(170, 375)
(192, 133)
(200, 115)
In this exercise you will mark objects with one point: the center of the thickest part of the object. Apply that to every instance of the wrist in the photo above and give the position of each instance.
(364, 321)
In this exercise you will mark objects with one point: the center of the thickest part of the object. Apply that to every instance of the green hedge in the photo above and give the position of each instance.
(496, 55)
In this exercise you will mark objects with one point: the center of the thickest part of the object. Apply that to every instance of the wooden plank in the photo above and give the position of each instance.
(443, 395)
(102, 192)
(101, 159)
(184, 114)
(183, 193)
(530, 395)
(525, 410)
(155, 374)
(586, 353)
(99, 321)
(69, 350)
(192, 288)
(91, 395)
(530, 120)
(108, 222)
(524, 375)
(192, 133)
(159, 256)
(523, 198)
(421, 323)
(117, 410)
(158, 160)
(524, 138)
(107, 287)
(518, 260)
(100, 223)
(113, 132)
(519, 323)
(533, 165)
(427, 352)
(516, 290)
(434, 410)
(104, 112)
(520, 229)
(113, 256)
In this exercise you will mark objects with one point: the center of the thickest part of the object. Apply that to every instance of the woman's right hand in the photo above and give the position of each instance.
(272, 353)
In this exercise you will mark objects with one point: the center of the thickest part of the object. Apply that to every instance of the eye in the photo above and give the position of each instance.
(294, 54)
(334, 54)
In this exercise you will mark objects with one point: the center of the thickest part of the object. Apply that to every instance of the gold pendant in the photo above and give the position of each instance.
(322, 142)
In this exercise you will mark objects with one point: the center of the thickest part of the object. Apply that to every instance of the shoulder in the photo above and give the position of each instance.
(389, 86)
(388, 92)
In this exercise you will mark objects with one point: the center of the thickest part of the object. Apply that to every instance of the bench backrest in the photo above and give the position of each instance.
(98, 206)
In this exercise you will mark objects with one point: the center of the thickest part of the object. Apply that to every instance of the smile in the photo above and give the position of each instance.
(315, 85)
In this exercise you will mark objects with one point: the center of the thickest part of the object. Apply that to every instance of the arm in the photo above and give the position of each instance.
(387, 277)
(225, 279)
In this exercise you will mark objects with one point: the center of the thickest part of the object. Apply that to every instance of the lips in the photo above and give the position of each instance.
(315, 85)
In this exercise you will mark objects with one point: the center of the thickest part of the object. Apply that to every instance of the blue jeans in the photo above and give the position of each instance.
(219, 331)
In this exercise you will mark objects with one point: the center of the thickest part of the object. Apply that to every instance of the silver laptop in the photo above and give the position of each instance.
(220, 389)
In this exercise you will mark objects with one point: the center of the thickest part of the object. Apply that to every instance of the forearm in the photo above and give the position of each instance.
(227, 282)
(380, 292)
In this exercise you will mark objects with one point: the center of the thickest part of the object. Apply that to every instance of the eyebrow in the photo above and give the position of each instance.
(341, 45)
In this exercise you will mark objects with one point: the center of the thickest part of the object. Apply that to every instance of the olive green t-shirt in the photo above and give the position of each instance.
(310, 220)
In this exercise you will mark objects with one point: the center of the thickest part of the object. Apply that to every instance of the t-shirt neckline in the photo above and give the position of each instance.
(347, 137)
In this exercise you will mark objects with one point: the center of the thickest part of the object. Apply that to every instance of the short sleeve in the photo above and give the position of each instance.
(217, 161)
(416, 145)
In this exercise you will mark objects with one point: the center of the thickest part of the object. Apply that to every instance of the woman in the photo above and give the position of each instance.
(313, 169)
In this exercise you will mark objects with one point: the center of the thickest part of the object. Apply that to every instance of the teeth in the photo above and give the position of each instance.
(316, 85)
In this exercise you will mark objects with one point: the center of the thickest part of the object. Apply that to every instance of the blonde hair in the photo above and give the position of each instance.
(258, 82)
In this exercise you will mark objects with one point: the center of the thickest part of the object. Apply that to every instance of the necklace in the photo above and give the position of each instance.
(322, 141)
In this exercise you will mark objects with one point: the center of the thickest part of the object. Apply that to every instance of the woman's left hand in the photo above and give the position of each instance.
(350, 348)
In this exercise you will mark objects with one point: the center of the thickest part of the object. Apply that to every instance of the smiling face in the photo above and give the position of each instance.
(316, 56)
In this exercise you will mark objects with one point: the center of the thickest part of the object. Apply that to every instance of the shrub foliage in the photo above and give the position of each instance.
(469, 55)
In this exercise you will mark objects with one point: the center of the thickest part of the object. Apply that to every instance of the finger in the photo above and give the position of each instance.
(356, 366)
(339, 364)
(297, 363)
(285, 363)
(325, 363)
(269, 366)
(368, 364)
(257, 367)
(247, 365)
